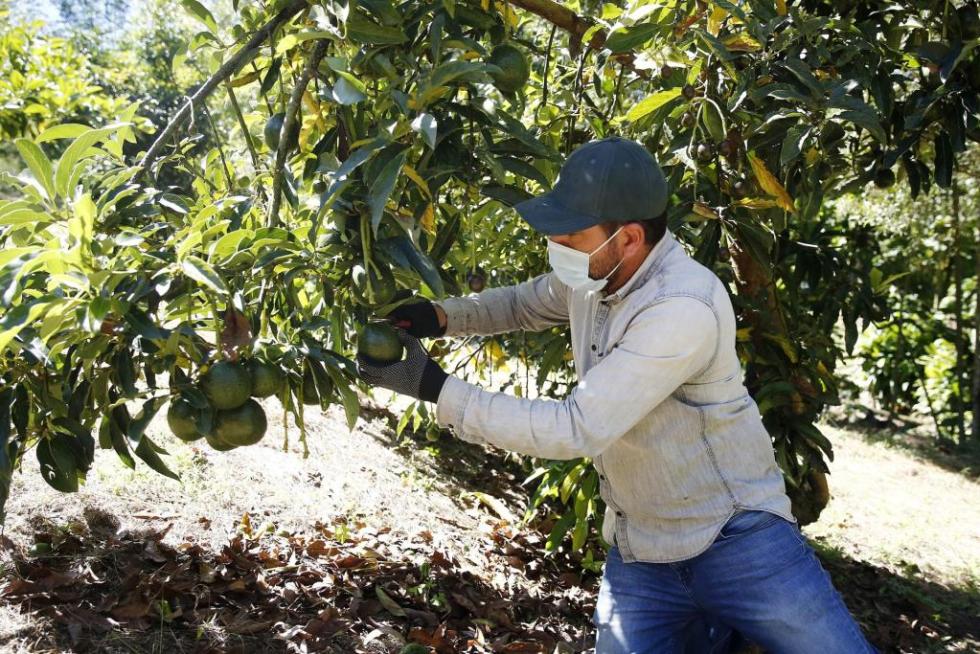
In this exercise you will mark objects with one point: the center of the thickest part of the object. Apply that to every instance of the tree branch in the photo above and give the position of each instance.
(229, 68)
(289, 125)
(577, 26)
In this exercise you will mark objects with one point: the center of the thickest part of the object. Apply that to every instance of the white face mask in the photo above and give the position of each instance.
(572, 266)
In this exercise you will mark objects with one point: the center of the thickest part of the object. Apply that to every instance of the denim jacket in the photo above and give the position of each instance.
(659, 405)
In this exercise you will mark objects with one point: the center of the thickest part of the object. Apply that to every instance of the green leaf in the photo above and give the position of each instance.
(507, 195)
(355, 160)
(346, 91)
(426, 125)
(793, 144)
(757, 240)
(733, 9)
(352, 407)
(559, 530)
(382, 187)
(95, 313)
(147, 451)
(23, 216)
(816, 438)
(580, 533)
(57, 461)
(122, 364)
(270, 76)
(79, 149)
(717, 47)
(19, 317)
(290, 41)
(139, 423)
(802, 72)
(201, 272)
(713, 120)
(200, 12)
(630, 38)
(950, 63)
(38, 162)
(651, 103)
(868, 120)
(523, 169)
(362, 29)
(451, 71)
(62, 131)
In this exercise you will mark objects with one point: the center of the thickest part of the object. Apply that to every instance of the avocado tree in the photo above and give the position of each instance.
(46, 80)
(374, 149)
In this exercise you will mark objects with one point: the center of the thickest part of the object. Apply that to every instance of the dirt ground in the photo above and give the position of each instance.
(386, 544)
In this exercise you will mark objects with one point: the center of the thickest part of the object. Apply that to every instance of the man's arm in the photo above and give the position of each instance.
(533, 305)
(665, 346)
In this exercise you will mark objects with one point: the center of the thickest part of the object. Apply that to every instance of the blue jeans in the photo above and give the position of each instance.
(759, 578)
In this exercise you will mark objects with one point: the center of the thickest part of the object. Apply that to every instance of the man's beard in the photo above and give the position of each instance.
(604, 262)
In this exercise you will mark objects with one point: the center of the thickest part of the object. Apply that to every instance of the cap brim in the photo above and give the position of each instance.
(548, 217)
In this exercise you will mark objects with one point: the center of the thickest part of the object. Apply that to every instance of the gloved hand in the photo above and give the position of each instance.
(418, 319)
(417, 375)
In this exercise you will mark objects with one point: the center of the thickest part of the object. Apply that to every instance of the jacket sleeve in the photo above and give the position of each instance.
(665, 345)
(533, 305)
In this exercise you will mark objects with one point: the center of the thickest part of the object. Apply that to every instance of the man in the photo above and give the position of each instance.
(697, 513)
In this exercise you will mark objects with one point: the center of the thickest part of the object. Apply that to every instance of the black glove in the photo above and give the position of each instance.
(417, 375)
(418, 319)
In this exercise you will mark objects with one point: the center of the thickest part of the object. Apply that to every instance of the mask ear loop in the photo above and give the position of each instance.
(604, 243)
(616, 267)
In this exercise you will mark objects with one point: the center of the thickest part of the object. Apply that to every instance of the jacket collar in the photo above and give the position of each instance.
(647, 269)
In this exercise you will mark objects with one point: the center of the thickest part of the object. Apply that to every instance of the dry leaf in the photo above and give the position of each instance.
(715, 19)
(236, 333)
(769, 183)
(390, 605)
(741, 42)
(703, 210)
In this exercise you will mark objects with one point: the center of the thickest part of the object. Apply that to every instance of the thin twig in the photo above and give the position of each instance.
(547, 65)
(292, 109)
(229, 68)
(221, 149)
(241, 121)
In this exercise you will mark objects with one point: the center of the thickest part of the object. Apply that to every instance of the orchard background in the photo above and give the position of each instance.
(193, 196)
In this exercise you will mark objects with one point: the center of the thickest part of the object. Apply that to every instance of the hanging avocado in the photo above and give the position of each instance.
(273, 128)
(514, 69)
(379, 342)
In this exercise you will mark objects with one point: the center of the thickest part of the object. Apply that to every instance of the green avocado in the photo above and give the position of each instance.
(379, 342)
(267, 379)
(513, 66)
(182, 419)
(273, 129)
(244, 425)
(227, 385)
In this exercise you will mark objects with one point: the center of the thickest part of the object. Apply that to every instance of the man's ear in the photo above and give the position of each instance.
(636, 237)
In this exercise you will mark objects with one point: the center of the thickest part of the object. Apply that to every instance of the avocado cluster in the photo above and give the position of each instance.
(229, 387)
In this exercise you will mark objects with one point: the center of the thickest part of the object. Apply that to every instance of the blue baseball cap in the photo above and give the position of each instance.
(612, 179)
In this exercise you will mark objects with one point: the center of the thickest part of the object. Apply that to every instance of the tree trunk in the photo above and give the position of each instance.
(961, 368)
(976, 343)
